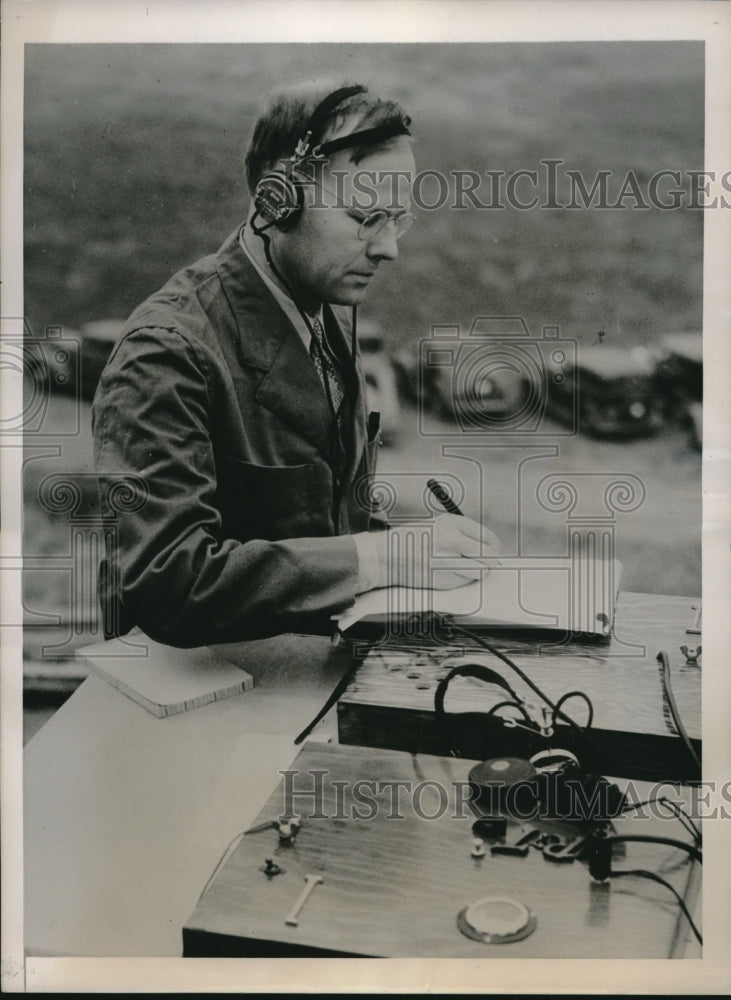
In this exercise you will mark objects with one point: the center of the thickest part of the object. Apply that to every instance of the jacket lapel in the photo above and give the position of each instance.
(267, 340)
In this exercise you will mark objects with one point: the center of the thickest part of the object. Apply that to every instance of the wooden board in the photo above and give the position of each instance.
(163, 679)
(390, 702)
(394, 881)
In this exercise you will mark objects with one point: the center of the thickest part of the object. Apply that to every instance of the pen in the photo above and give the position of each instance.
(443, 497)
(446, 501)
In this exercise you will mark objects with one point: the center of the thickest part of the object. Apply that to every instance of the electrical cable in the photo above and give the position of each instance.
(510, 704)
(643, 873)
(482, 673)
(574, 694)
(686, 821)
(449, 625)
(641, 838)
(233, 844)
(675, 808)
(332, 698)
(664, 662)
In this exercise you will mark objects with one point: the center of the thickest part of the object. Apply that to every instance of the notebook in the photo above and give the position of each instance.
(522, 596)
(163, 679)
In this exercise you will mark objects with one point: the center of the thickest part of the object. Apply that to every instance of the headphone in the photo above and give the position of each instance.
(278, 196)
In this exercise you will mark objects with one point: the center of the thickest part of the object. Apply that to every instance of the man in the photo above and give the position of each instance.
(234, 405)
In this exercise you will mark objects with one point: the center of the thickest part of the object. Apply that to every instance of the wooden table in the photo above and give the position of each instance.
(393, 847)
(390, 702)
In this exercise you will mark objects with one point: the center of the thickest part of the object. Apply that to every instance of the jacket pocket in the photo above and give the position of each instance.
(265, 501)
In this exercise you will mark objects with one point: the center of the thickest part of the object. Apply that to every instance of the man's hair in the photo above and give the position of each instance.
(283, 122)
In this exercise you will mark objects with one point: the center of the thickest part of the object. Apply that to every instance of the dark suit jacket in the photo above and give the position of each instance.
(242, 499)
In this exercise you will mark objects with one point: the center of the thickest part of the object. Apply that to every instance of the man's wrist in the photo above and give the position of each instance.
(368, 546)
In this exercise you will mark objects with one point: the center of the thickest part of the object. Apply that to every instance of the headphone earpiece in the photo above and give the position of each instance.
(278, 198)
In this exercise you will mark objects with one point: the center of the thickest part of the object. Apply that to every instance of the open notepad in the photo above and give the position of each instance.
(162, 679)
(575, 597)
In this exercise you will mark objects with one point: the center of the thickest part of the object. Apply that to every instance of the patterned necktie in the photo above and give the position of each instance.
(323, 364)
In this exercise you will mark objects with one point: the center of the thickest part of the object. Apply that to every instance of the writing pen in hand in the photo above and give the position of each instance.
(443, 497)
(449, 505)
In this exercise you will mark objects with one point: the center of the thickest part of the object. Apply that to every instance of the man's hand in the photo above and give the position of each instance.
(448, 552)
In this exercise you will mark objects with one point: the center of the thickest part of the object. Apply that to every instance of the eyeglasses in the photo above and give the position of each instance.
(371, 223)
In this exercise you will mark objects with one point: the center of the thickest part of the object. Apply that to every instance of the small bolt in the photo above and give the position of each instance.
(270, 867)
(478, 848)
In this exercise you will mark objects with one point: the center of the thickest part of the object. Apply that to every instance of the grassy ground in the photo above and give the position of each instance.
(133, 168)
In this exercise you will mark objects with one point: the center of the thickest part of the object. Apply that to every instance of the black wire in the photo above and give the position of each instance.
(353, 345)
(232, 845)
(641, 838)
(676, 808)
(643, 873)
(511, 704)
(450, 625)
(575, 694)
(334, 695)
(480, 672)
(686, 820)
(662, 658)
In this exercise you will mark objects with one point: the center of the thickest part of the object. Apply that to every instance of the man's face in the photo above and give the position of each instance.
(323, 257)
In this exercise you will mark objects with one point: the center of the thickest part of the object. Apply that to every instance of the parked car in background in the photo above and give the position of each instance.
(78, 367)
(473, 379)
(679, 379)
(405, 362)
(611, 390)
(380, 379)
(477, 399)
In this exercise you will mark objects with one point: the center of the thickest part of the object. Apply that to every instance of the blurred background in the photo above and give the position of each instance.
(133, 168)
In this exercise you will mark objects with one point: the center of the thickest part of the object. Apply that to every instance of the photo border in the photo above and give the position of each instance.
(56, 21)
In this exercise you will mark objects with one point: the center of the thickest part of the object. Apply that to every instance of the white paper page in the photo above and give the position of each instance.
(549, 593)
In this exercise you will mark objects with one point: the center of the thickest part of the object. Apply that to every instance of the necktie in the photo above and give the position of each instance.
(324, 366)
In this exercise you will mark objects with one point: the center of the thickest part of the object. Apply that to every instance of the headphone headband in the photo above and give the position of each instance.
(377, 134)
(306, 149)
(325, 108)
